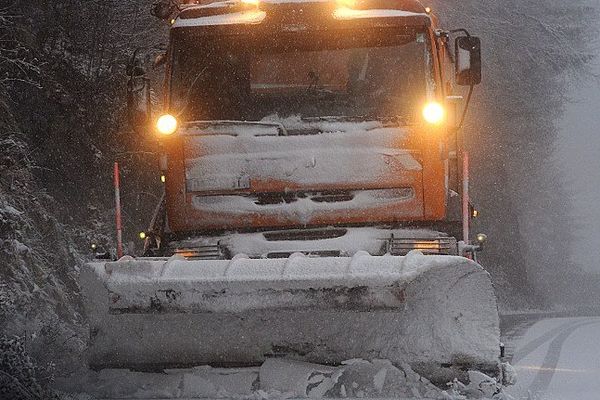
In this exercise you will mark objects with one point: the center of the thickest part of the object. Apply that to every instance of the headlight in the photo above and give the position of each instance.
(166, 124)
(434, 113)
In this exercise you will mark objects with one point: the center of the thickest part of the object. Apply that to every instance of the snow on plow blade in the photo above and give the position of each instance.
(427, 311)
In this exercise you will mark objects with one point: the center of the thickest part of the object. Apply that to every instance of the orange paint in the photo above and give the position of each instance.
(427, 145)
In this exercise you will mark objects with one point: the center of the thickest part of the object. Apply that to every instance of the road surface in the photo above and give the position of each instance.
(555, 358)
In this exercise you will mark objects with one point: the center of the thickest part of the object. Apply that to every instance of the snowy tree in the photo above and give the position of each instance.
(531, 49)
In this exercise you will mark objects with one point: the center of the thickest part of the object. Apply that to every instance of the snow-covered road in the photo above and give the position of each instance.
(557, 359)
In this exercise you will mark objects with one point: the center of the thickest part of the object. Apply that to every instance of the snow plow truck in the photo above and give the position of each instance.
(315, 200)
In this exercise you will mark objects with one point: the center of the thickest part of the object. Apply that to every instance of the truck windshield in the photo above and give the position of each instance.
(223, 79)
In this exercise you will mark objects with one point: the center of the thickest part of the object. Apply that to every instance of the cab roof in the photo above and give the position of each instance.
(237, 12)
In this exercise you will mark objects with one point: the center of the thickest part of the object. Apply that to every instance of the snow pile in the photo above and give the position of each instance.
(283, 379)
(200, 382)
(354, 379)
(480, 386)
(368, 379)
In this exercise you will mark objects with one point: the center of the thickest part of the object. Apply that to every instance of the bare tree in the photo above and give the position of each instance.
(17, 63)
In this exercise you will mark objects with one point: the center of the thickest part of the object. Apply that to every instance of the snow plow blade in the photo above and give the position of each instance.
(430, 312)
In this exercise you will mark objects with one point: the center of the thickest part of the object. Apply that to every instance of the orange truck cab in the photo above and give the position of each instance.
(318, 127)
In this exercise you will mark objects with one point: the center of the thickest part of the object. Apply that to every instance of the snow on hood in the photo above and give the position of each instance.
(314, 160)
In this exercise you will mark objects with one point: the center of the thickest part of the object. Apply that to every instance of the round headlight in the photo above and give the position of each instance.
(433, 113)
(166, 124)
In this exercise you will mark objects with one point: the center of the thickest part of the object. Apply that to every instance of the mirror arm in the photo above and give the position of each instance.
(132, 66)
(450, 55)
(463, 30)
(466, 108)
(134, 57)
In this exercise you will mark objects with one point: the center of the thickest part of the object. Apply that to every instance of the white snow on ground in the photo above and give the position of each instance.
(280, 379)
(559, 359)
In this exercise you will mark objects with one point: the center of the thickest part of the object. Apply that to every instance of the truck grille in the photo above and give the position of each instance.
(305, 234)
(438, 245)
(206, 252)
(308, 253)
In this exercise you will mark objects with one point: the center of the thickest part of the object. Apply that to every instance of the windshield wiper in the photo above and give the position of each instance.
(355, 118)
(189, 92)
(229, 127)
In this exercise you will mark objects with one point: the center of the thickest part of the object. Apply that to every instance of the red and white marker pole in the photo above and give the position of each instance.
(118, 212)
(465, 197)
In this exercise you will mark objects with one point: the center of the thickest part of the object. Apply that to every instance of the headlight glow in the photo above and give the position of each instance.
(166, 124)
(434, 113)
(345, 3)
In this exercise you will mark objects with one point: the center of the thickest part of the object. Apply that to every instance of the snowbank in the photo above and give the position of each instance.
(282, 379)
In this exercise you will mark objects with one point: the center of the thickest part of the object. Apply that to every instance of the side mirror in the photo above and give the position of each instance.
(467, 57)
(139, 104)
